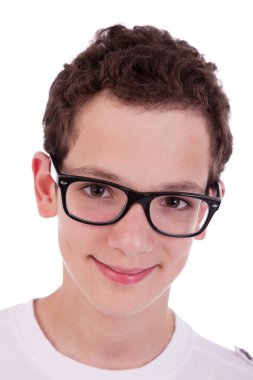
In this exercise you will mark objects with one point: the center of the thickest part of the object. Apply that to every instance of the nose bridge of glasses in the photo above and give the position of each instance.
(142, 199)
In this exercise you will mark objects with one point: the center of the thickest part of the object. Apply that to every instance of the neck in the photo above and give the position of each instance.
(83, 333)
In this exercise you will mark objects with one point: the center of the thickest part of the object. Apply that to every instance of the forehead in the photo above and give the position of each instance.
(141, 146)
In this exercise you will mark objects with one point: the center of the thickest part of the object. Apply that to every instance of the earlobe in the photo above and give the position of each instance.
(201, 236)
(222, 188)
(44, 185)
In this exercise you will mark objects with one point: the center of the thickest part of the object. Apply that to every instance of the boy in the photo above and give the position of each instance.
(136, 131)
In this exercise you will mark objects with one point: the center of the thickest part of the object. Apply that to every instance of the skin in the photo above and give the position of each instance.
(90, 318)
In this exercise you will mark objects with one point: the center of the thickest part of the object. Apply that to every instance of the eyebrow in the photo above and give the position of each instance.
(96, 172)
(183, 186)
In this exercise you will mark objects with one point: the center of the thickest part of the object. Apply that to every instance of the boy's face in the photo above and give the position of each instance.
(143, 150)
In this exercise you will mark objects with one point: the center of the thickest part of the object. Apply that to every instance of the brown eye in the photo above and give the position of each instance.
(97, 190)
(174, 202)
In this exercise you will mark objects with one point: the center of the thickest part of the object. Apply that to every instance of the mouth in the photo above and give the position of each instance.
(125, 276)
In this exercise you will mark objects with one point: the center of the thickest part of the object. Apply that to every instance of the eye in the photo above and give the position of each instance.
(96, 190)
(174, 202)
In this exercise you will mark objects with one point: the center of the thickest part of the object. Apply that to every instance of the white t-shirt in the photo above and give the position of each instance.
(26, 354)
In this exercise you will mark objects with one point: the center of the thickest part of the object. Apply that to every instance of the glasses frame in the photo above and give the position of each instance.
(63, 181)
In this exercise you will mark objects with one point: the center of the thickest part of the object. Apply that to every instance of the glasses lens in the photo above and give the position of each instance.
(178, 215)
(95, 202)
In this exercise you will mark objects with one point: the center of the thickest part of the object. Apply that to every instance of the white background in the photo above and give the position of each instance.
(214, 293)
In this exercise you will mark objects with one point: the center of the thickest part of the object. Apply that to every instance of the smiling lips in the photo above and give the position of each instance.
(123, 275)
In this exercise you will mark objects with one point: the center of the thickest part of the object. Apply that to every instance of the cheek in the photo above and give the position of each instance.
(78, 240)
(176, 256)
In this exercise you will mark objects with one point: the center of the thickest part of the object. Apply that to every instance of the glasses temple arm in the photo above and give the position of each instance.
(53, 171)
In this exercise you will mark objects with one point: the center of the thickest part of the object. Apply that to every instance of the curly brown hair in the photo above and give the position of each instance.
(142, 66)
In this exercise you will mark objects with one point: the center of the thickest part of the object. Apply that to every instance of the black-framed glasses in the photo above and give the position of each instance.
(98, 202)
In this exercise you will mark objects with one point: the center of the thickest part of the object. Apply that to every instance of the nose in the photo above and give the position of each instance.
(132, 234)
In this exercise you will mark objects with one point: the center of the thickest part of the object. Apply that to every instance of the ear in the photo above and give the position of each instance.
(201, 236)
(211, 193)
(44, 185)
(222, 188)
(200, 217)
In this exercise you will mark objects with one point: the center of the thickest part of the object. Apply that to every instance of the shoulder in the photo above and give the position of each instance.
(6, 320)
(7, 338)
(232, 364)
(203, 359)
(9, 326)
(12, 346)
